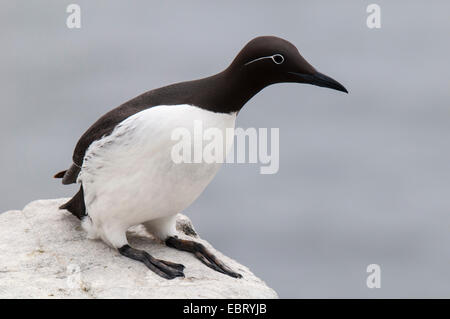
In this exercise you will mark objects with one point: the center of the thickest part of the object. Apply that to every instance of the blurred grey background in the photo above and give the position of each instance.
(364, 178)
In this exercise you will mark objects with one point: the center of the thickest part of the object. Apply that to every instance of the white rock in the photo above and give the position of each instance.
(44, 253)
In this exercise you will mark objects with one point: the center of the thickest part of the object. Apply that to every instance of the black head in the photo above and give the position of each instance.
(262, 62)
(269, 60)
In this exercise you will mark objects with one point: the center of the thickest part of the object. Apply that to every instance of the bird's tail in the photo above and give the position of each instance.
(76, 205)
(60, 174)
(69, 176)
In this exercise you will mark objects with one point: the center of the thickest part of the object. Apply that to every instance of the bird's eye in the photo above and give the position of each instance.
(277, 58)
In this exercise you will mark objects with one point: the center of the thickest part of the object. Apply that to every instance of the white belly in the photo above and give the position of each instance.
(129, 177)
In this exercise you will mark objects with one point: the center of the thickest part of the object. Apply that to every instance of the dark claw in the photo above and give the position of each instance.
(203, 254)
(163, 268)
(179, 267)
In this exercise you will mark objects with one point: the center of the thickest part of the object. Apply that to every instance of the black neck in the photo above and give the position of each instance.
(225, 92)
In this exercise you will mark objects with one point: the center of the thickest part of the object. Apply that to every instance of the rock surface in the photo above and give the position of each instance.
(44, 253)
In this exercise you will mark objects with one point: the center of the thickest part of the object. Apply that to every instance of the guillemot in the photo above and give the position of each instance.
(123, 161)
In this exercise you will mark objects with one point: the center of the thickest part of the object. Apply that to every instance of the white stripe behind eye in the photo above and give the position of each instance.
(267, 57)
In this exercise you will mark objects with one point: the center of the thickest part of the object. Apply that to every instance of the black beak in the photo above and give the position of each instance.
(320, 79)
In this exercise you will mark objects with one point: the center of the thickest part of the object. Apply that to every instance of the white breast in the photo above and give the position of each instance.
(129, 176)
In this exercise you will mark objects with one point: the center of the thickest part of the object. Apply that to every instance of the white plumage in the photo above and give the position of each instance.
(129, 176)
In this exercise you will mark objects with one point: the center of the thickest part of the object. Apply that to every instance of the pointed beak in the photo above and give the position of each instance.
(320, 79)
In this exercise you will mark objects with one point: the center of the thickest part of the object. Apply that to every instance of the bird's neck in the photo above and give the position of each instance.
(225, 92)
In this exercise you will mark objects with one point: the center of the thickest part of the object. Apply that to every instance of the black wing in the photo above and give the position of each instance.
(179, 93)
(103, 127)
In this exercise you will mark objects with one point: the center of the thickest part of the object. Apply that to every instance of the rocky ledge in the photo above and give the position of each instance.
(44, 253)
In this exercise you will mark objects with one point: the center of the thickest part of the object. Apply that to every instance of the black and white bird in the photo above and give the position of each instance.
(123, 161)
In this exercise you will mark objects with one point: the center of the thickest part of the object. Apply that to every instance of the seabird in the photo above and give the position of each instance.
(123, 161)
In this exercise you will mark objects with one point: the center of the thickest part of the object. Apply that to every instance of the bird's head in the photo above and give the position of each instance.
(268, 60)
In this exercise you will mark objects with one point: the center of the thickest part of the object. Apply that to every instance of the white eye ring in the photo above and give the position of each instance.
(276, 58)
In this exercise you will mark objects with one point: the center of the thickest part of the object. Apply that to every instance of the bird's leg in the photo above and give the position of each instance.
(165, 269)
(201, 253)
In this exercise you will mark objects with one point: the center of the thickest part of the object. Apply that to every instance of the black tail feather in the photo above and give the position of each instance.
(60, 174)
(70, 177)
(76, 205)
